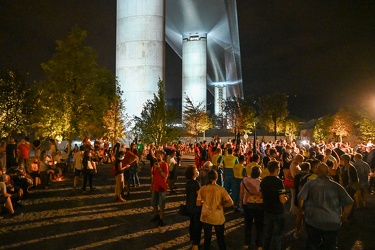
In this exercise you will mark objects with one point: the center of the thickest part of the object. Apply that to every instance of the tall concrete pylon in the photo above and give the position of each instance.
(140, 50)
(203, 33)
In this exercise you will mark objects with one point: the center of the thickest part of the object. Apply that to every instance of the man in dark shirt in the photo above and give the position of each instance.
(349, 175)
(305, 168)
(274, 196)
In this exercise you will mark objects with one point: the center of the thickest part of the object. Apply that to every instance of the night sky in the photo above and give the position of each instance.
(320, 53)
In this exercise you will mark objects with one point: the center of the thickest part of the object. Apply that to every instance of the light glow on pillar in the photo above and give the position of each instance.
(194, 70)
(139, 50)
(220, 97)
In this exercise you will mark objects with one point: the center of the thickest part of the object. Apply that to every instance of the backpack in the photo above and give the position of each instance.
(113, 170)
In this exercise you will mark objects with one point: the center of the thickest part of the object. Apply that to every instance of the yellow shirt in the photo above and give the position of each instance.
(249, 166)
(265, 172)
(230, 161)
(215, 158)
(238, 170)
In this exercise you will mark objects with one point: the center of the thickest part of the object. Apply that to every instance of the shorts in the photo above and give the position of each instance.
(158, 198)
(77, 172)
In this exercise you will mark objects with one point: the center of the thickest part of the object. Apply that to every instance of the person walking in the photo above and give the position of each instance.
(322, 201)
(213, 198)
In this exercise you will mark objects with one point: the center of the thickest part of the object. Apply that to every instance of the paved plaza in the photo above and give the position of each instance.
(64, 218)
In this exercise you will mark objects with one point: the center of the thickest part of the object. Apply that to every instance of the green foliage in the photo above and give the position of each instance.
(366, 127)
(195, 118)
(273, 110)
(240, 114)
(75, 92)
(291, 128)
(322, 129)
(15, 105)
(156, 123)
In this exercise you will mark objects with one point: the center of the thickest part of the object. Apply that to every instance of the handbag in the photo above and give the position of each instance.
(182, 210)
(252, 198)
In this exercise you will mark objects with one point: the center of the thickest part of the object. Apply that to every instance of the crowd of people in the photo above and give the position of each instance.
(325, 183)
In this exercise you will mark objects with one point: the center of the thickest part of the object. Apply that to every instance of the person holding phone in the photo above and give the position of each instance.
(159, 177)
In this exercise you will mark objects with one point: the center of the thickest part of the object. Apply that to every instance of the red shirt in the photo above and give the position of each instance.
(24, 150)
(128, 157)
(160, 184)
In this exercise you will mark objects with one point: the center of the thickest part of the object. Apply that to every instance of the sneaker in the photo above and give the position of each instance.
(155, 218)
(160, 223)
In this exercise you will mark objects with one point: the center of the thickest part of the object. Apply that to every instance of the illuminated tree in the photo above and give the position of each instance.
(156, 124)
(195, 118)
(115, 120)
(240, 114)
(15, 106)
(273, 110)
(342, 124)
(322, 129)
(366, 129)
(75, 92)
(291, 128)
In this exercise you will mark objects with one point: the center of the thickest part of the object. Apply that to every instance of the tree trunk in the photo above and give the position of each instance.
(70, 143)
(274, 128)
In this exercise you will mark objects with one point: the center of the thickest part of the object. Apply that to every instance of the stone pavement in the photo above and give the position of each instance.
(64, 218)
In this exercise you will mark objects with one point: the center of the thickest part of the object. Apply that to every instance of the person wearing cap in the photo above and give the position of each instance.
(207, 166)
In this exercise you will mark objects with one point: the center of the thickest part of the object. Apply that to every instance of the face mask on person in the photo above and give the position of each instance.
(121, 158)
